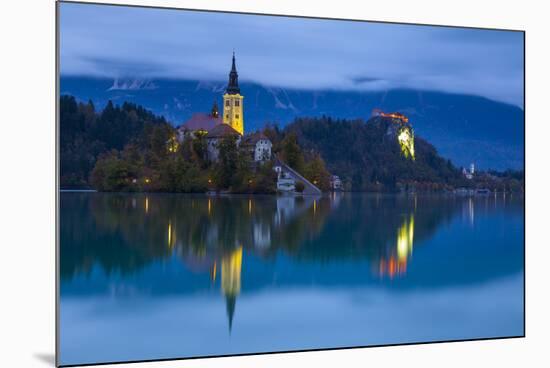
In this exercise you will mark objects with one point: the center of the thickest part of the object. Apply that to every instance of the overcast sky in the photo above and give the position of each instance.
(109, 41)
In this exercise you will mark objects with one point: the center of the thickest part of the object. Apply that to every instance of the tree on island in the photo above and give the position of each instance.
(292, 153)
(127, 148)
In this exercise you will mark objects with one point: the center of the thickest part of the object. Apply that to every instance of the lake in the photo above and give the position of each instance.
(154, 276)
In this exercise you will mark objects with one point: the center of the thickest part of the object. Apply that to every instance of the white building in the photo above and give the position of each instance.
(259, 146)
(285, 183)
(335, 183)
(469, 174)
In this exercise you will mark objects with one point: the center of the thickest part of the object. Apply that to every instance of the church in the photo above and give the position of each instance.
(231, 122)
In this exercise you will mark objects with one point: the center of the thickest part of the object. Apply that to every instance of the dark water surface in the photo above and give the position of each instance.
(152, 276)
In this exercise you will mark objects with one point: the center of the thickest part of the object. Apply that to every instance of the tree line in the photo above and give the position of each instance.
(128, 148)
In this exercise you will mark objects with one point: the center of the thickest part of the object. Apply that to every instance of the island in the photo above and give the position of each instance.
(126, 148)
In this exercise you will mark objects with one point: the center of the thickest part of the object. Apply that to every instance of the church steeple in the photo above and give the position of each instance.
(233, 101)
(233, 85)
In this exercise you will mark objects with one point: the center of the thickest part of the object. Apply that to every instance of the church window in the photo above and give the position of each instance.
(236, 116)
(237, 103)
(227, 116)
(227, 103)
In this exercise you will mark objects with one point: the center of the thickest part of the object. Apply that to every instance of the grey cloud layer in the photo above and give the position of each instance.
(289, 52)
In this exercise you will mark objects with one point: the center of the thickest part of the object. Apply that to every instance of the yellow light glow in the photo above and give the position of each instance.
(405, 238)
(169, 234)
(406, 141)
(146, 205)
(314, 206)
(213, 271)
(231, 272)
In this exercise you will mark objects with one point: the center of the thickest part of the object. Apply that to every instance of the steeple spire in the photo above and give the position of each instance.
(233, 85)
(214, 112)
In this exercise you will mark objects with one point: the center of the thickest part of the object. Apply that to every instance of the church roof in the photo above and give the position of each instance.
(201, 121)
(253, 138)
(221, 130)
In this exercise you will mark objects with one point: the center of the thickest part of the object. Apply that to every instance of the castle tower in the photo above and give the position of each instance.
(233, 101)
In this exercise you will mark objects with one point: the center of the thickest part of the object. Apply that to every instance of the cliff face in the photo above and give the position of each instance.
(402, 131)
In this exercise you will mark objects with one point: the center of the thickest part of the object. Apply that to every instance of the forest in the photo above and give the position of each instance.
(127, 148)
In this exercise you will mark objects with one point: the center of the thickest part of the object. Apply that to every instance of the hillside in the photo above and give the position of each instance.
(368, 156)
(463, 128)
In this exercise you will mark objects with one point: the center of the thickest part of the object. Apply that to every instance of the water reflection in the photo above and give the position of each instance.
(231, 280)
(395, 263)
(250, 243)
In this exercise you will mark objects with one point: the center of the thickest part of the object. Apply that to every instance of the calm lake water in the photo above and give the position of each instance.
(152, 276)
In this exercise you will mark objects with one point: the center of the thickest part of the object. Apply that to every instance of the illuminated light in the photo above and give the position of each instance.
(314, 206)
(250, 206)
(395, 115)
(173, 144)
(213, 271)
(406, 141)
(397, 264)
(147, 180)
(231, 280)
(405, 238)
(231, 272)
(169, 234)
(209, 206)
(146, 205)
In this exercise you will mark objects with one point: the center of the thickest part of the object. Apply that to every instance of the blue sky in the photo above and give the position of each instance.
(109, 41)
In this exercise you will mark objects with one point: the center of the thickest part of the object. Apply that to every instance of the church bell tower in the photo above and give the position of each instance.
(233, 101)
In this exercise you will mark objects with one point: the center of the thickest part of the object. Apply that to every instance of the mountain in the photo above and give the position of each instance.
(464, 128)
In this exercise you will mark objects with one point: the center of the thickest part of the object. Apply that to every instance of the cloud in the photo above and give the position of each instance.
(110, 41)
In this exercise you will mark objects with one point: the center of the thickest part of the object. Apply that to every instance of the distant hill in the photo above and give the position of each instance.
(366, 153)
(463, 128)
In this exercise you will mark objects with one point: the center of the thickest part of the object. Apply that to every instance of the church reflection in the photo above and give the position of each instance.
(211, 236)
(231, 281)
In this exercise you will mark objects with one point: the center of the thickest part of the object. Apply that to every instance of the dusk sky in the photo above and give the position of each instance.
(109, 41)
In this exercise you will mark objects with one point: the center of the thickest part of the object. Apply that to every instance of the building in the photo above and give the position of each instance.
(215, 135)
(215, 127)
(469, 174)
(200, 123)
(286, 183)
(392, 115)
(233, 101)
(259, 146)
(336, 183)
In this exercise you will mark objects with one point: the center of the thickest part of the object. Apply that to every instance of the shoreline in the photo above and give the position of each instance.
(298, 195)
